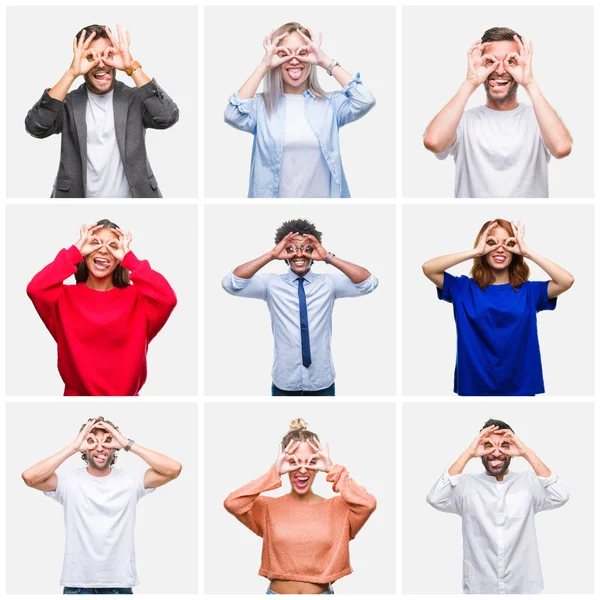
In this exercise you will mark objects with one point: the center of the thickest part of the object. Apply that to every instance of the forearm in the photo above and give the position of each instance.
(562, 279)
(457, 467)
(248, 90)
(140, 78)
(61, 89)
(339, 74)
(556, 136)
(251, 268)
(540, 469)
(355, 273)
(41, 471)
(441, 132)
(437, 266)
(159, 462)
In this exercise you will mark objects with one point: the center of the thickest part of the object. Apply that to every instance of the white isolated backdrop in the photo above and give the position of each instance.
(167, 520)
(238, 338)
(164, 235)
(561, 233)
(435, 434)
(360, 38)
(435, 64)
(240, 444)
(164, 39)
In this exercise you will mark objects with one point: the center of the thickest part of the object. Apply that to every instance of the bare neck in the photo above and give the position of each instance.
(509, 104)
(501, 277)
(100, 285)
(98, 472)
(290, 89)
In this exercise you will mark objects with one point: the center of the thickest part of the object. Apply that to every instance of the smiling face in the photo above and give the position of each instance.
(496, 463)
(298, 263)
(500, 258)
(101, 79)
(500, 86)
(294, 72)
(99, 457)
(101, 263)
(302, 478)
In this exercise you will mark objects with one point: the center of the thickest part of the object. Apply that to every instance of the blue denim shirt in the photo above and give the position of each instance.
(324, 115)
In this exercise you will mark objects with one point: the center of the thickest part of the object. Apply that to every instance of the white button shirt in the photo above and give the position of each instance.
(280, 292)
(500, 553)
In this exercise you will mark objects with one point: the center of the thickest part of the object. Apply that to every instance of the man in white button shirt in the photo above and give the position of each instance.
(301, 306)
(502, 149)
(498, 507)
(99, 503)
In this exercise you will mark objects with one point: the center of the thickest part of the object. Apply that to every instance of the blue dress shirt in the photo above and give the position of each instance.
(324, 115)
(280, 292)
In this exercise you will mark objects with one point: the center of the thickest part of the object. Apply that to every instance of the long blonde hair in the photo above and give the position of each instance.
(273, 86)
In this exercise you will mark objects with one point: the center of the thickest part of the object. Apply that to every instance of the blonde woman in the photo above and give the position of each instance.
(295, 123)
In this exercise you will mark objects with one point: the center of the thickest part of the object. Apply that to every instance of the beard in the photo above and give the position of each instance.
(89, 82)
(106, 464)
(511, 90)
(499, 470)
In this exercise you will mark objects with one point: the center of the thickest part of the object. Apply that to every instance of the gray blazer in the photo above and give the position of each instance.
(135, 109)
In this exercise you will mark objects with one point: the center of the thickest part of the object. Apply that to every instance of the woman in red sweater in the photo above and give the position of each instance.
(104, 323)
(305, 537)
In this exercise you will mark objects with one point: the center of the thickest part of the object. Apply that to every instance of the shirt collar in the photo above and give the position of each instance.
(308, 93)
(291, 276)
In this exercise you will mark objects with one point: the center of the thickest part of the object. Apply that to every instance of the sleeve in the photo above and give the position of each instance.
(548, 492)
(46, 117)
(352, 102)
(255, 287)
(539, 293)
(59, 493)
(45, 289)
(158, 109)
(359, 502)
(344, 288)
(158, 296)
(453, 149)
(242, 114)
(451, 287)
(139, 484)
(446, 494)
(247, 506)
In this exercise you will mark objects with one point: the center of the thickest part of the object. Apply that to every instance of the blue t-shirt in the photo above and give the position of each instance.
(497, 350)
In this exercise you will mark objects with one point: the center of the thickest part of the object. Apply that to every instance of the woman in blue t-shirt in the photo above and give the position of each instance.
(495, 310)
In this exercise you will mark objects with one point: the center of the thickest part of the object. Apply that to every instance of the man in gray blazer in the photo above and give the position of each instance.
(103, 122)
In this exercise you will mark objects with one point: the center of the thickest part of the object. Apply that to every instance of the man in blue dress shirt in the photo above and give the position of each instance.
(301, 306)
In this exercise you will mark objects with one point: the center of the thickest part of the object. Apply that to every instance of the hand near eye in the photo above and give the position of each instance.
(275, 54)
(286, 460)
(480, 65)
(84, 57)
(123, 241)
(518, 64)
(81, 443)
(280, 252)
(487, 243)
(117, 54)
(516, 446)
(516, 244)
(311, 53)
(115, 439)
(86, 236)
(477, 448)
(323, 460)
(313, 248)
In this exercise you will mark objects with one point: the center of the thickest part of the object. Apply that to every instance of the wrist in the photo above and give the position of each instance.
(324, 61)
(262, 69)
(532, 88)
(469, 86)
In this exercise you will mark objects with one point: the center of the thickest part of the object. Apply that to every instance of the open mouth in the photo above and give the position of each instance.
(102, 76)
(301, 481)
(499, 83)
(499, 259)
(300, 263)
(100, 457)
(101, 263)
(295, 72)
(495, 464)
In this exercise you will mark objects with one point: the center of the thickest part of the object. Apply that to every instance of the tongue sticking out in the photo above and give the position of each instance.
(295, 73)
(102, 76)
(497, 83)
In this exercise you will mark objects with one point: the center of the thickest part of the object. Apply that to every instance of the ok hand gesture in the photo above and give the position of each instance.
(313, 248)
(311, 53)
(477, 448)
(516, 244)
(85, 440)
(323, 460)
(286, 459)
(487, 242)
(518, 64)
(275, 55)
(114, 439)
(84, 57)
(86, 236)
(286, 248)
(480, 65)
(123, 242)
(117, 54)
(516, 446)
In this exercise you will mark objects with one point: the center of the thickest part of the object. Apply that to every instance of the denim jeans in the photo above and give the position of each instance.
(330, 391)
(329, 590)
(77, 590)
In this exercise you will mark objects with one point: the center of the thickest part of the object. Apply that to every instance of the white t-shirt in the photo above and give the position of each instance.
(499, 154)
(304, 171)
(105, 172)
(99, 526)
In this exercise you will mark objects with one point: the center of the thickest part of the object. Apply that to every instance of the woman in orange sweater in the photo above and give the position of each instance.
(305, 537)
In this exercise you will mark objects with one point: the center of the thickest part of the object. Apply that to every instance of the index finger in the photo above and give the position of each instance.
(111, 37)
(306, 38)
(90, 38)
(518, 40)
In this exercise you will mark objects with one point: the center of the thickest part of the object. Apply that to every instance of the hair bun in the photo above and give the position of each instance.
(298, 423)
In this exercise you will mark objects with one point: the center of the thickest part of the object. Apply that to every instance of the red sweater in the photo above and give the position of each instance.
(102, 337)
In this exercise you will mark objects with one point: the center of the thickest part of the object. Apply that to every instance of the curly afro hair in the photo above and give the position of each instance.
(301, 226)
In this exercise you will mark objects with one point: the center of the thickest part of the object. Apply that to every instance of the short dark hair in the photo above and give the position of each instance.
(97, 29)
(120, 275)
(499, 34)
(301, 226)
(498, 423)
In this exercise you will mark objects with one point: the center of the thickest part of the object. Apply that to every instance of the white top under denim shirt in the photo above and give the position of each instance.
(500, 553)
(280, 292)
(324, 115)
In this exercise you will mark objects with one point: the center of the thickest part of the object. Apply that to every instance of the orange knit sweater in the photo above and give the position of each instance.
(303, 542)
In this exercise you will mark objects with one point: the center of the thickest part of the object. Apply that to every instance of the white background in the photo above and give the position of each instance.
(563, 234)
(166, 236)
(166, 544)
(241, 442)
(39, 44)
(433, 437)
(435, 64)
(361, 39)
(238, 337)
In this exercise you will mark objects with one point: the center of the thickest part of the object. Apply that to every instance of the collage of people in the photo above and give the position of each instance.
(318, 279)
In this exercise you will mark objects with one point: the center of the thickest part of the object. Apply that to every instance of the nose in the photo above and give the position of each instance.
(500, 68)
(298, 252)
(303, 470)
(294, 61)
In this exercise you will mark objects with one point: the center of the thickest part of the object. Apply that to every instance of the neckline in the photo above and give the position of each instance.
(513, 111)
(295, 501)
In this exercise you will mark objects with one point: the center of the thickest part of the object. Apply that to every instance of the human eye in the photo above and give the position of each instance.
(289, 249)
(309, 249)
(303, 52)
(95, 242)
(487, 445)
(90, 440)
(490, 243)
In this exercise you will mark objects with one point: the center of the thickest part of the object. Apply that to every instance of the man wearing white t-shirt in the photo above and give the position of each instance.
(99, 503)
(502, 149)
(498, 507)
(103, 122)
